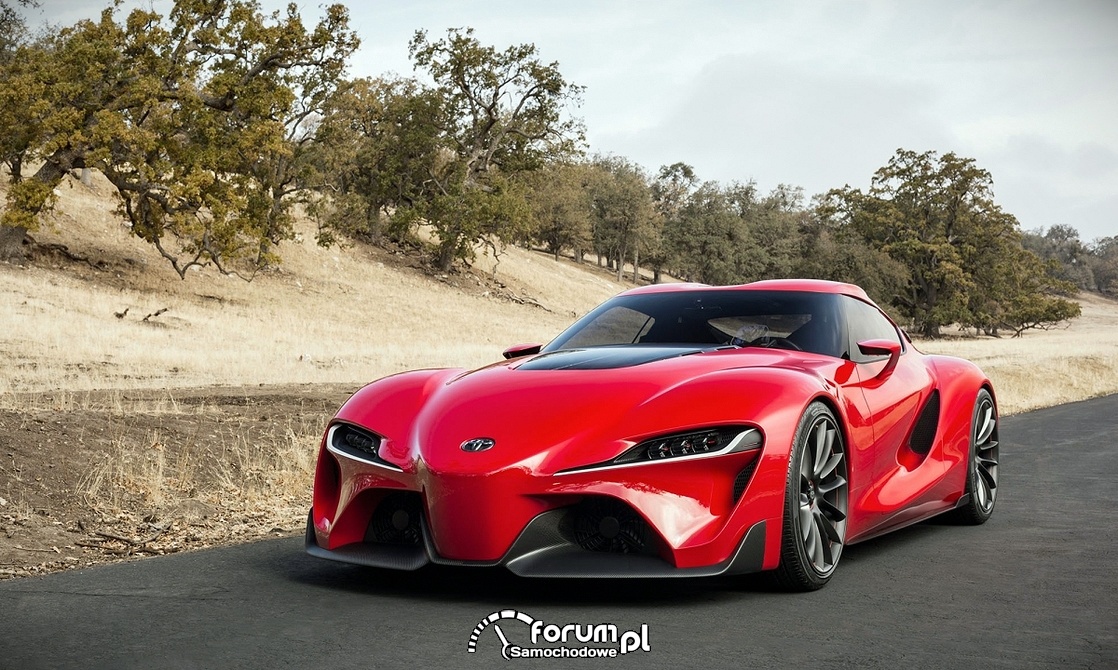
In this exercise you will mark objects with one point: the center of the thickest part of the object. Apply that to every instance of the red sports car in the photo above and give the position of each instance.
(677, 430)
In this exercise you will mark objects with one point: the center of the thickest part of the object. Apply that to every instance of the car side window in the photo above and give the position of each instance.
(866, 322)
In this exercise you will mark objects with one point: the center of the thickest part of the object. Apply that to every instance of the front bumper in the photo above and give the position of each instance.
(542, 550)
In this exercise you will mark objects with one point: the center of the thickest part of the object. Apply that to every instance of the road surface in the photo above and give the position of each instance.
(1033, 588)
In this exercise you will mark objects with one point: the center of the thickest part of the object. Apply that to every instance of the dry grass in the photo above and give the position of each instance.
(1044, 368)
(328, 315)
(226, 472)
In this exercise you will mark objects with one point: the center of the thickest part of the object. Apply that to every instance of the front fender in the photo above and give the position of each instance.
(388, 407)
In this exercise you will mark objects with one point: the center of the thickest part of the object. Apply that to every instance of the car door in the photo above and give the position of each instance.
(895, 392)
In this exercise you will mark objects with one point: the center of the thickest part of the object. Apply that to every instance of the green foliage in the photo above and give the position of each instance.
(1104, 264)
(13, 28)
(22, 197)
(936, 216)
(199, 120)
(465, 216)
(707, 238)
(392, 154)
(671, 188)
(1061, 245)
(21, 93)
(838, 255)
(378, 142)
(501, 113)
(624, 221)
(561, 203)
(731, 234)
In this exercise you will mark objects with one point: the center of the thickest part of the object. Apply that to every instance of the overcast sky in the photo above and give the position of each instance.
(816, 93)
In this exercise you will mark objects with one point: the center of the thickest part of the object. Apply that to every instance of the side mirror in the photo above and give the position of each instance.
(518, 350)
(889, 348)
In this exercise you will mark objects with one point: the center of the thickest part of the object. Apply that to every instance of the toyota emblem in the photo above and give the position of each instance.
(478, 444)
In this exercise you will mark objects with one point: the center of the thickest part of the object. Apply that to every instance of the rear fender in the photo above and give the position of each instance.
(959, 381)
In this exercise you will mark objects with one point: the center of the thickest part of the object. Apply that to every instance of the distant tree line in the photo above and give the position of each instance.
(927, 239)
(213, 122)
(1089, 266)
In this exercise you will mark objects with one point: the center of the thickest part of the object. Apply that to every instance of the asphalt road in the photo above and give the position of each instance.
(1033, 588)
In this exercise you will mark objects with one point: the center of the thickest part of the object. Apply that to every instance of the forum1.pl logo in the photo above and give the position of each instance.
(544, 640)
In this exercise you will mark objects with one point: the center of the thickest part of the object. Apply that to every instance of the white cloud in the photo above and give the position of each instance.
(752, 117)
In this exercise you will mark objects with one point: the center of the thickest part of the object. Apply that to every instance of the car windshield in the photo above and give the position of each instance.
(798, 320)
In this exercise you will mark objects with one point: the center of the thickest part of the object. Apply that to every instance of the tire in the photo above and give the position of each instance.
(981, 492)
(815, 503)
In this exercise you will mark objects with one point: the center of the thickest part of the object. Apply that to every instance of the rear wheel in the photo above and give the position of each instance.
(815, 503)
(982, 466)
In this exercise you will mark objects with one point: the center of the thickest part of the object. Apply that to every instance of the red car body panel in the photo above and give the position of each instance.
(555, 432)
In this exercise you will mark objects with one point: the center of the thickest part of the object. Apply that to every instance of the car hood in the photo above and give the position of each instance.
(572, 408)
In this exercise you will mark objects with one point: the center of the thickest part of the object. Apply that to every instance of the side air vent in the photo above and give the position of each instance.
(742, 480)
(396, 520)
(924, 432)
(608, 525)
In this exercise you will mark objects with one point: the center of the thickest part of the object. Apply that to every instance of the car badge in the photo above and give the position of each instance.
(478, 444)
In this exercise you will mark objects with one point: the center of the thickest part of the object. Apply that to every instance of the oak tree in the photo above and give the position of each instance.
(197, 119)
(504, 112)
(378, 142)
(937, 216)
(560, 199)
(625, 223)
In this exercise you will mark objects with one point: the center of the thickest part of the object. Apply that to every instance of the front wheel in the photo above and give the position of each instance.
(815, 503)
(982, 465)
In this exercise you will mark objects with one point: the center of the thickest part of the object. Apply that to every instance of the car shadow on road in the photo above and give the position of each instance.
(498, 585)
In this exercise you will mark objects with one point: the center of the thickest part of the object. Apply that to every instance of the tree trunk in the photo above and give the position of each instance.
(636, 266)
(12, 239)
(445, 258)
(58, 166)
(16, 167)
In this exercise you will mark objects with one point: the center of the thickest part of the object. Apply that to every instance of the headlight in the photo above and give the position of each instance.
(682, 446)
(713, 442)
(355, 443)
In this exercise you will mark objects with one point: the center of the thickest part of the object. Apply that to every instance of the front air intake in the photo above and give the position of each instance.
(396, 520)
(608, 525)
